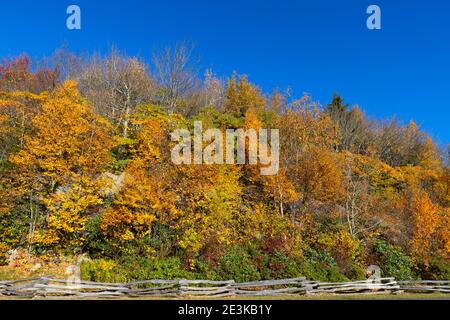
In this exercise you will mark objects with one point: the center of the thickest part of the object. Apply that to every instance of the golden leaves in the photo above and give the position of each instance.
(68, 147)
(425, 221)
(69, 139)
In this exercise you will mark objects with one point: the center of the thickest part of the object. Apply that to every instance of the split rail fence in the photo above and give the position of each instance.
(46, 287)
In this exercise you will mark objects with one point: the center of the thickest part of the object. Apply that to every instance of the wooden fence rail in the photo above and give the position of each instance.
(51, 287)
(425, 286)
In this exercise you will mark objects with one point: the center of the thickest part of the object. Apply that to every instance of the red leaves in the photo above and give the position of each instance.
(17, 74)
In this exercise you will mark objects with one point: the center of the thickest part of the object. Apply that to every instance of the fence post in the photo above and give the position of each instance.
(183, 287)
(232, 287)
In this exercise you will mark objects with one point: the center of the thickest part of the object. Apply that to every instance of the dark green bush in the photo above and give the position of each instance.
(321, 266)
(135, 269)
(96, 244)
(437, 269)
(279, 266)
(356, 271)
(236, 264)
(393, 262)
(157, 268)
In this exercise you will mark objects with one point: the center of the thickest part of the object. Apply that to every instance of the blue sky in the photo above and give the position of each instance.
(318, 47)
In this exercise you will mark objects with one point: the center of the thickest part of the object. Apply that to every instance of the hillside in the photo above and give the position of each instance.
(86, 168)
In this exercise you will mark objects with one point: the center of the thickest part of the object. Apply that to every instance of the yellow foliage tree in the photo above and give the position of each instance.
(146, 196)
(319, 175)
(241, 95)
(17, 109)
(67, 214)
(345, 250)
(139, 204)
(57, 167)
(211, 195)
(425, 217)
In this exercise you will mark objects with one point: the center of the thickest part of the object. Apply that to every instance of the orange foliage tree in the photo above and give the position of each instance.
(146, 196)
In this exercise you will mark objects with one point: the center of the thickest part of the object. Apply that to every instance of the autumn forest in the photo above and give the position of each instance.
(85, 169)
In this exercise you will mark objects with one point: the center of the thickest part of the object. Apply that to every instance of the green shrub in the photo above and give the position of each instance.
(321, 266)
(205, 271)
(3, 256)
(101, 271)
(393, 262)
(155, 268)
(437, 269)
(236, 264)
(356, 271)
(279, 266)
(96, 244)
(134, 269)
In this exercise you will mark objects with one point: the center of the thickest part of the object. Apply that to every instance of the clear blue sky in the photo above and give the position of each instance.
(314, 46)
